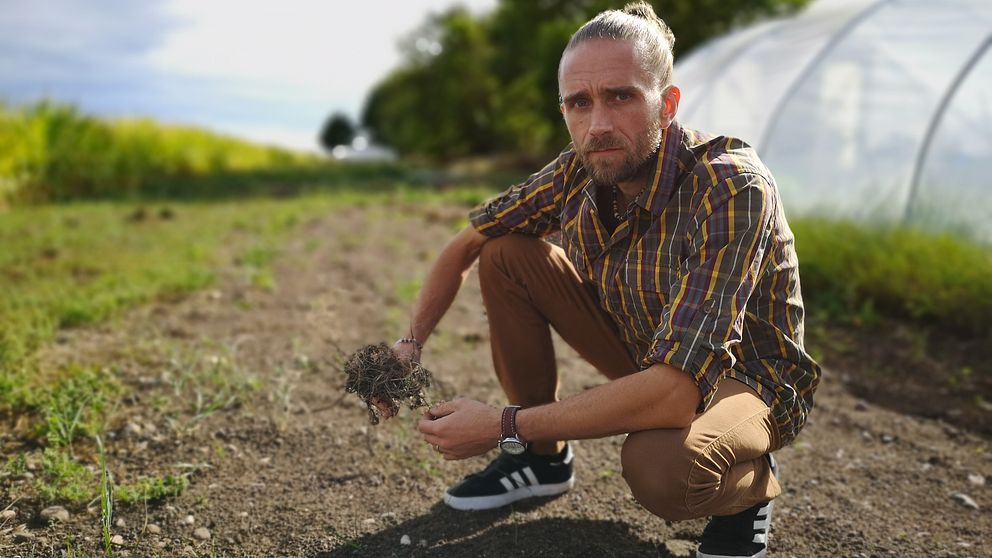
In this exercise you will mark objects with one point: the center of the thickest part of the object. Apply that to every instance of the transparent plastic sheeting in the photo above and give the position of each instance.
(868, 110)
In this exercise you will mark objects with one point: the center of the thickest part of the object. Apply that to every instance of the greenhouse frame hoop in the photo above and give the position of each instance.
(811, 66)
(935, 121)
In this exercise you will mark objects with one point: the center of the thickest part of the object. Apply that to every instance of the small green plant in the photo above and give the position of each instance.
(76, 404)
(106, 499)
(16, 465)
(63, 478)
(151, 489)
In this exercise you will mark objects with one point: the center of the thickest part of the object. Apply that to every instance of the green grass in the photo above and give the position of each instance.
(64, 266)
(76, 404)
(151, 489)
(855, 273)
(64, 479)
(53, 152)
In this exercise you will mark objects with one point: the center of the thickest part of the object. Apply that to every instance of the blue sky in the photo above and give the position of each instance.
(267, 71)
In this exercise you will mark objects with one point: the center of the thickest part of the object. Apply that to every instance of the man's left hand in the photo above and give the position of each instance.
(461, 428)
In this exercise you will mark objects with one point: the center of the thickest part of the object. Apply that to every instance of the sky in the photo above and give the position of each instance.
(266, 71)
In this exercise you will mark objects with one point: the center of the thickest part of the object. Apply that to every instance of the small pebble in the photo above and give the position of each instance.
(965, 500)
(54, 513)
(131, 430)
(202, 533)
(405, 540)
(117, 540)
(120, 523)
(369, 521)
(153, 529)
(243, 514)
(888, 438)
(976, 479)
(188, 520)
(7, 515)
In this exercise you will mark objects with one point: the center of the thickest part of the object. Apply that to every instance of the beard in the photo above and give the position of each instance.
(634, 162)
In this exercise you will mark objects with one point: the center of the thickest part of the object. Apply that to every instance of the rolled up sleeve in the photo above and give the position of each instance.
(704, 315)
(532, 207)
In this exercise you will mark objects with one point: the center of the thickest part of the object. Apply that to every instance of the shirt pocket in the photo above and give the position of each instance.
(650, 275)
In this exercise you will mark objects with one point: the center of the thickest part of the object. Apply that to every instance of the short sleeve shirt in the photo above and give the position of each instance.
(702, 274)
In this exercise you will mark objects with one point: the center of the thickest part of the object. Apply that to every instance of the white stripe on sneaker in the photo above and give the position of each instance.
(507, 484)
(517, 478)
(529, 473)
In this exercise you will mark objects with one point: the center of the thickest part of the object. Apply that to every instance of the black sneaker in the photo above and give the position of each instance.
(513, 477)
(743, 535)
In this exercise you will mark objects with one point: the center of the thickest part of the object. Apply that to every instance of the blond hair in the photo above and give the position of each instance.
(636, 22)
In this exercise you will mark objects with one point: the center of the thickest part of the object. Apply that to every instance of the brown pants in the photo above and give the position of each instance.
(716, 466)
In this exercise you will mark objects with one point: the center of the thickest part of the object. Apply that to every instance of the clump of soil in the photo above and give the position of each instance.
(376, 374)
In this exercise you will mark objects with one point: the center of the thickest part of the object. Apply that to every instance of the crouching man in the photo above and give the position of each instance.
(677, 278)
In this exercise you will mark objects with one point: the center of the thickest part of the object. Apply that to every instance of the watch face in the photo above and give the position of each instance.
(512, 446)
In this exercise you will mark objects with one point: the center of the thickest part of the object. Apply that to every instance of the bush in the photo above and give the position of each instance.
(937, 281)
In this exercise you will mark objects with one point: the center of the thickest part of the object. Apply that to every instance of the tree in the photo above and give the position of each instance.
(484, 85)
(337, 130)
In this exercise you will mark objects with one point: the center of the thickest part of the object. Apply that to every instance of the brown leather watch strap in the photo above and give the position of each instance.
(508, 423)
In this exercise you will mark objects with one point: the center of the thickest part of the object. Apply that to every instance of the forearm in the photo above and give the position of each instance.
(658, 397)
(444, 280)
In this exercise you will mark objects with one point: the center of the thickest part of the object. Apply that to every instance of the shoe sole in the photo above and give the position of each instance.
(500, 500)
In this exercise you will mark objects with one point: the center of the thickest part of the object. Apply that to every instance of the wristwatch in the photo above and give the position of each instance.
(509, 440)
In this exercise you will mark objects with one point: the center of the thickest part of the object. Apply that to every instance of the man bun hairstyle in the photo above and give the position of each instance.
(636, 22)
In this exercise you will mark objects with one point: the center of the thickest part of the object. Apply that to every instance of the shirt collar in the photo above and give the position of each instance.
(668, 165)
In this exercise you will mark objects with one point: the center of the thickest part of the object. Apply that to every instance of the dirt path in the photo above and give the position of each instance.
(297, 471)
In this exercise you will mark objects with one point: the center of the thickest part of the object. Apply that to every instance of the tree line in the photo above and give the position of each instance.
(482, 85)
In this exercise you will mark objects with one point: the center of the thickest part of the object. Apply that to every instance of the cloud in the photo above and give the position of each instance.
(239, 67)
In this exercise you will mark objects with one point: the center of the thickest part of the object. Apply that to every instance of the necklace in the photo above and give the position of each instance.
(616, 207)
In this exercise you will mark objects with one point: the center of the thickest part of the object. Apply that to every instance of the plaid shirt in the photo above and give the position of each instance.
(702, 275)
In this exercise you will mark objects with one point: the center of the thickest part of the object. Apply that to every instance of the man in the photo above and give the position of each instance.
(676, 278)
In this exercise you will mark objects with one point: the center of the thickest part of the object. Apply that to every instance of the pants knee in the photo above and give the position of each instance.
(654, 468)
(498, 254)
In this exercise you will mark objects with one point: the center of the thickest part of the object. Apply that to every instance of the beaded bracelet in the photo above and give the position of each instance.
(417, 344)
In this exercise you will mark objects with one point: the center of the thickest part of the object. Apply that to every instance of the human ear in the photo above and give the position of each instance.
(670, 98)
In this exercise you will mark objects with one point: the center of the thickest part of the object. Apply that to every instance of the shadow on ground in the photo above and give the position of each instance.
(506, 532)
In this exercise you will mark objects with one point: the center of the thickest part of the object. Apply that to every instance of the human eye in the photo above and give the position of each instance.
(622, 96)
(578, 103)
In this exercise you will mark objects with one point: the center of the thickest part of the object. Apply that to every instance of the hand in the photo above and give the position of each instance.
(406, 351)
(461, 428)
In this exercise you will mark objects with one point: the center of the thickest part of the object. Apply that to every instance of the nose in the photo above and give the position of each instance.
(601, 121)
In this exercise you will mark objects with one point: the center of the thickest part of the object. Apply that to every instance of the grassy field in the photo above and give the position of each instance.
(179, 204)
(54, 152)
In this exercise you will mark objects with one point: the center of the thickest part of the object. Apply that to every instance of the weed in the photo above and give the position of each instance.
(106, 499)
(152, 489)
(76, 404)
(64, 479)
(16, 465)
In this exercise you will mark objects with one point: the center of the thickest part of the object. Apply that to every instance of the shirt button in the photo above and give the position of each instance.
(708, 306)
